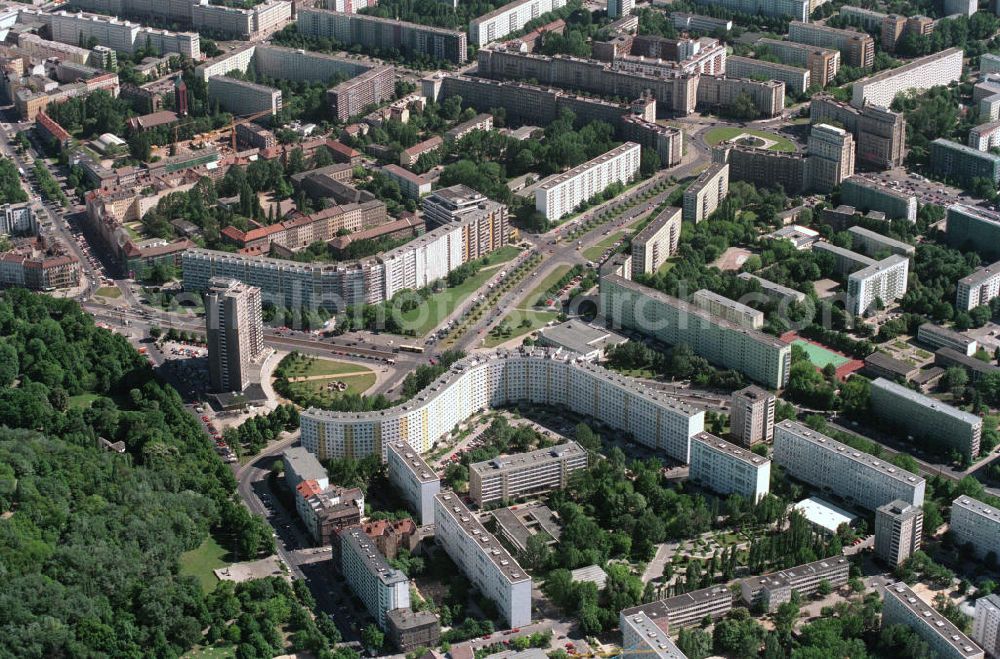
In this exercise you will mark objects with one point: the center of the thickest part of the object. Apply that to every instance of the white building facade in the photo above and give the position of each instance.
(562, 193)
(496, 379)
(729, 469)
(482, 559)
(857, 477)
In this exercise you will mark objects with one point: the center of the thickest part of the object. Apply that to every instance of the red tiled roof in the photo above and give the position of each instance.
(343, 149)
(425, 146)
(306, 489)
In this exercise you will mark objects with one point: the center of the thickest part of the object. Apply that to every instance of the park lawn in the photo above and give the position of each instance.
(594, 253)
(312, 366)
(200, 562)
(723, 133)
(356, 384)
(538, 320)
(550, 280)
(439, 306)
(83, 401)
(109, 291)
(211, 652)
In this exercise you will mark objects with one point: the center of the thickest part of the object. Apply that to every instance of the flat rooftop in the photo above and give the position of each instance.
(489, 546)
(910, 66)
(692, 310)
(556, 179)
(522, 522)
(655, 640)
(719, 445)
(531, 458)
(981, 275)
(824, 514)
(778, 289)
(303, 463)
(437, 387)
(926, 401)
(416, 465)
(886, 241)
(926, 614)
(360, 544)
(666, 215)
(863, 460)
(978, 507)
(580, 337)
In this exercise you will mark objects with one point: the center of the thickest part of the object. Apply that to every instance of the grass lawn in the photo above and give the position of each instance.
(109, 291)
(439, 306)
(820, 357)
(356, 384)
(83, 401)
(545, 285)
(211, 652)
(667, 265)
(308, 367)
(200, 562)
(594, 253)
(721, 134)
(537, 320)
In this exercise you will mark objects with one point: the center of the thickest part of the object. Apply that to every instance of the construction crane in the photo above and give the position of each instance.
(212, 134)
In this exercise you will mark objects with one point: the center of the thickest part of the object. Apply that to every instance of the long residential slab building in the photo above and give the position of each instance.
(509, 477)
(536, 375)
(629, 305)
(418, 263)
(941, 68)
(383, 33)
(901, 606)
(979, 288)
(836, 468)
(509, 18)
(381, 587)
(924, 417)
(729, 469)
(414, 479)
(977, 524)
(482, 559)
(562, 193)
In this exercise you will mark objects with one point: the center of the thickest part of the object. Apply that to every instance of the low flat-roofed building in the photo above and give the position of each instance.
(976, 368)
(823, 515)
(590, 574)
(773, 589)
(409, 630)
(301, 465)
(586, 339)
(882, 365)
(941, 337)
(687, 609)
(776, 292)
(509, 477)
(902, 606)
(516, 524)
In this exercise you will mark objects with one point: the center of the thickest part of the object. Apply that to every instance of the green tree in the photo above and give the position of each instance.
(372, 638)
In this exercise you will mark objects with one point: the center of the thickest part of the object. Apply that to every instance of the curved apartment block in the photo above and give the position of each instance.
(501, 378)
